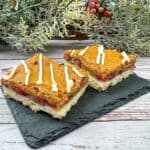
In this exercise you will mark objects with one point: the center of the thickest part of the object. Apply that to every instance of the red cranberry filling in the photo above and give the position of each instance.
(83, 82)
(100, 76)
(111, 76)
(67, 57)
(41, 101)
(20, 91)
(77, 62)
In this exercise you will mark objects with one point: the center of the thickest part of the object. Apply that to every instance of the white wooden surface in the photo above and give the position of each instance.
(126, 128)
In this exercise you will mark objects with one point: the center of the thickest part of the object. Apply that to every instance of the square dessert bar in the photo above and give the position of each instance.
(44, 85)
(106, 67)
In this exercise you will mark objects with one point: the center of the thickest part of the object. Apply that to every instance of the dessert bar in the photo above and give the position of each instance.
(44, 85)
(106, 67)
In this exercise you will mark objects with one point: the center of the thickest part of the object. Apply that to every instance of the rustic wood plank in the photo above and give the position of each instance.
(138, 109)
(133, 135)
(5, 113)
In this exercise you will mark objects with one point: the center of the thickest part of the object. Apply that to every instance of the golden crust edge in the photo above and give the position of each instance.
(35, 107)
(103, 85)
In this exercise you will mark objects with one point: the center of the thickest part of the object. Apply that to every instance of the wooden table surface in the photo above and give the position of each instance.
(125, 128)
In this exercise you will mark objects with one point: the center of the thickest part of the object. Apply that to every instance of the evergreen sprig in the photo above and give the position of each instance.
(131, 22)
(30, 26)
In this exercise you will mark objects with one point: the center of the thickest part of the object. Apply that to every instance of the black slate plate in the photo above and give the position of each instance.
(38, 129)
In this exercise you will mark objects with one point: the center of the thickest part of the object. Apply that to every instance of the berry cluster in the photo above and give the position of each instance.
(94, 7)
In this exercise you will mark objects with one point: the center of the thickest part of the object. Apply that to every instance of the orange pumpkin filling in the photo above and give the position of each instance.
(112, 64)
(43, 93)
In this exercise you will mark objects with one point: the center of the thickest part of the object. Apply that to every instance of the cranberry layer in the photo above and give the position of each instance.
(99, 76)
(41, 100)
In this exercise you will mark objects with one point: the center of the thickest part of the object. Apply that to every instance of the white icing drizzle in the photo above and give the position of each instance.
(54, 84)
(77, 72)
(40, 81)
(103, 59)
(101, 55)
(27, 78)
(27, 72)
(69, 82)
(83, 51)
(25, 66)
(7, 77)
(125, 57)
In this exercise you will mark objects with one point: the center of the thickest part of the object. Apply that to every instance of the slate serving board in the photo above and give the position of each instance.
(38, 129)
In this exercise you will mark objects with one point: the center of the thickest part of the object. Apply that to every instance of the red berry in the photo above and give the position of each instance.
(92, 4)
(97, 6)
(93, 11)
(106, 13)
(101, 9)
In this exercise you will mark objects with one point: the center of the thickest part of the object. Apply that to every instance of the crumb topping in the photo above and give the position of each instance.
(44, 90)
(111, 65)
(27, 72)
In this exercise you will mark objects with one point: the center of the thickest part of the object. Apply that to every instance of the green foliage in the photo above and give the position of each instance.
(35, 22)
(129, 28)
